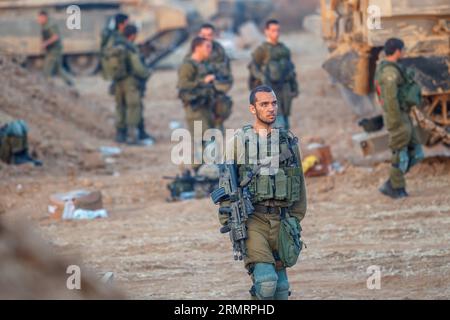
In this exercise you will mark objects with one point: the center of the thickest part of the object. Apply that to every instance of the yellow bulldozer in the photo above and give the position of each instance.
(163, 26)
(355, 32)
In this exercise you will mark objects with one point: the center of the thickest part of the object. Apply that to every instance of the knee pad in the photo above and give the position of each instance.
(282, 291)
(265, 281)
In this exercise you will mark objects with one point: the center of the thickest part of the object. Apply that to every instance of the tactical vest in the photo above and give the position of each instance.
(278, 66)
(115, 60)
(202, 94)
(284, 186)
(409, 92)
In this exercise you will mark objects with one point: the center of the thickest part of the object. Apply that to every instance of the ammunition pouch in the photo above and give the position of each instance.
(290, 243)
(283, 186)
(196, 98)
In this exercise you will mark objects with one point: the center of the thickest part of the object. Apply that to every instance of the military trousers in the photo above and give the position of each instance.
(202, 115)
(403, 159)
(128, 104)
(401, 163)
(53, 65)
(262, 242)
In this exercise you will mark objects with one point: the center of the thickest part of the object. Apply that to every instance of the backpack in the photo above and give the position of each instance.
(115, 62)
(410, 92)
(277, 69)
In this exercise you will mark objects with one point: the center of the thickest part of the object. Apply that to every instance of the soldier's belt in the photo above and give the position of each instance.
(268, 210)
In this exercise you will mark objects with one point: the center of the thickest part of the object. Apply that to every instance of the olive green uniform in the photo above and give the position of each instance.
(271, 195)
(128, 92)
(53, 63)
(220, 64)
(197, 98)
(272, 65)
(403, 138)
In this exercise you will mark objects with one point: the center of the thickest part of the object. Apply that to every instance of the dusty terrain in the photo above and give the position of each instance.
(160, 250)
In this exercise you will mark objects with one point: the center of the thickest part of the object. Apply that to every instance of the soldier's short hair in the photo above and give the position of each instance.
(43, 13)
(196, 42)
(208, 26)
(253, 93)
(120, 18)
(392, 45)
(130, 30)
(270, 22)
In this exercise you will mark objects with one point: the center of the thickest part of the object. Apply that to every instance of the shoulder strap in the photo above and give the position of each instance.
(385, 63)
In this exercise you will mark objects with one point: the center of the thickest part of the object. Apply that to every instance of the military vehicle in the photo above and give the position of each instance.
(231, 14)
(356, 30)
(163, 26)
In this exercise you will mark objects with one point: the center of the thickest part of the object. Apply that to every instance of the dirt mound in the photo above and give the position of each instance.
(29, 269)
(55, 114)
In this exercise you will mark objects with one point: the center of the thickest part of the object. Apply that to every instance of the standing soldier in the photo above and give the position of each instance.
(393, 85)
(272, 65)
(195, 85)
(111, 36)
(220, 64)
(52, 44)
(278, 198)
(128, 72)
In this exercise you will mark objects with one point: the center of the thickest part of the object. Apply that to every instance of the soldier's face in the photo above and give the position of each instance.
(206, 49)
(266, 107)
(42, 19)
(207, 33)
(273, 32)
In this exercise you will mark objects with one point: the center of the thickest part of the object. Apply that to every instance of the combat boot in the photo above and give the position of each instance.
(389, 191)
(144, 137)
(402, 193)
(121, 135)
(132, 136)
(134, 140)
(23, 157)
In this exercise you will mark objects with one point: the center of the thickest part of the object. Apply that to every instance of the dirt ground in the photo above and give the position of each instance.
(160, 250)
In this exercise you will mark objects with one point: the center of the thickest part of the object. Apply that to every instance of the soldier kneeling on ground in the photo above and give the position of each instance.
(14, 143)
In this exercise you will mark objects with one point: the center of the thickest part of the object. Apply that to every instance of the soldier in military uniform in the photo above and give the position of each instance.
(52, 44)
(273, 196)
(111, 36)
(221, 66)
(14, 142)
(129, 74)
(272, 65)
(195, 85)
(391, 84)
